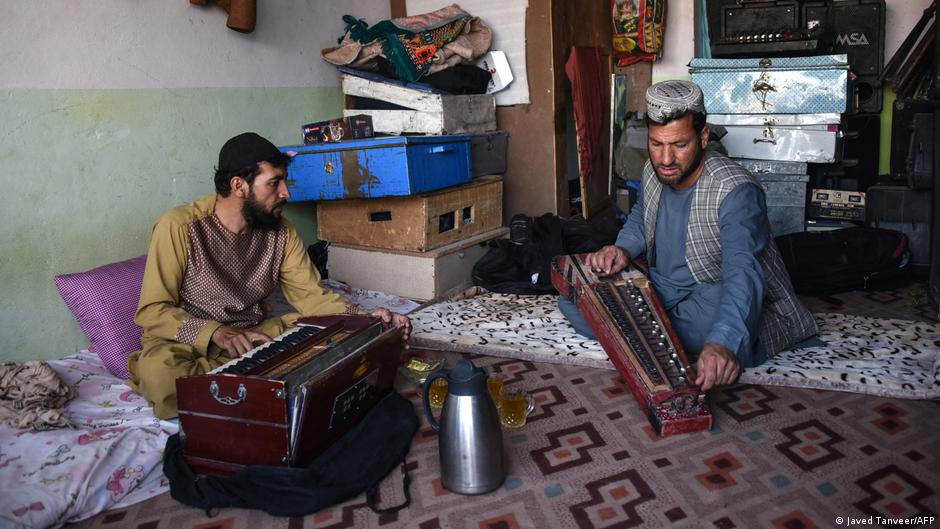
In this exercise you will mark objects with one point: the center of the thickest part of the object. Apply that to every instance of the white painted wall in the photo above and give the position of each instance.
(95, 44)
(507, 20)
(679, 46)
(900, 18)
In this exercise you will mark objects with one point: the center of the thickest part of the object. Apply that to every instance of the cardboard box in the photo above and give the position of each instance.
(378, 167)
(421, 276)
(422, 112)
(346, 128)
(837, 204)
(416, 223)
(497, 64)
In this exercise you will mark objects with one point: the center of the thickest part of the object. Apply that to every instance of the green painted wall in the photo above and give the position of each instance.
(86, 172)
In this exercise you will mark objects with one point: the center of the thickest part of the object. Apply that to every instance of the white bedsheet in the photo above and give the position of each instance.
(111, 459)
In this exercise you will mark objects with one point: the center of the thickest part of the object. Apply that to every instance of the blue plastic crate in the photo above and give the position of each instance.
(378, 167)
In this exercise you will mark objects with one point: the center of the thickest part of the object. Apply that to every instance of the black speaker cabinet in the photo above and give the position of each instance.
(913, 143)
(858, 28)
(860, 157)
(933, 286)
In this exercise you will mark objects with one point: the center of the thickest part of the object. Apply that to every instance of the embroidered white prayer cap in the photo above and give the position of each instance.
(668, 100)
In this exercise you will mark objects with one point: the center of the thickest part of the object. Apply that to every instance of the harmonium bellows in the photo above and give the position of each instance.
(286, 401)
(632, 326)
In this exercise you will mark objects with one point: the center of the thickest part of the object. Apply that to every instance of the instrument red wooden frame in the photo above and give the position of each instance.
(632, 326)
(294, 404)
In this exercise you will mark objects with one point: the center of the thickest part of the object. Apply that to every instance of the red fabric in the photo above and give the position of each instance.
(587, 79)
(638, 28)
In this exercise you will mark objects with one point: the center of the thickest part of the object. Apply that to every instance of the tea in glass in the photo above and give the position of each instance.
(495, 384)
(515, 405)
(437, 393)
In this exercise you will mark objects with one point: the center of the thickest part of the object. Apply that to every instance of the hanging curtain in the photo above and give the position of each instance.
(586, 75)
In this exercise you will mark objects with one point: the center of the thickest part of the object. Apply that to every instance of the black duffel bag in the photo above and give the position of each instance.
(862, 258)
(355, 463)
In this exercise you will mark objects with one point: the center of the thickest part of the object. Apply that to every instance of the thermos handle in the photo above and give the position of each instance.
(440, 373)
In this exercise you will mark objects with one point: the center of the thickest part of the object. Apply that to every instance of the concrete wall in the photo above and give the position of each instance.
(114, 111)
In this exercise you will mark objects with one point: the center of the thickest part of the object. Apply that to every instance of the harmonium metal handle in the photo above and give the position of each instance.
(228, 401)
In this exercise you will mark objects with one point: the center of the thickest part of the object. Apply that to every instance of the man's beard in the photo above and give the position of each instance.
(681, 177)
(259, 218)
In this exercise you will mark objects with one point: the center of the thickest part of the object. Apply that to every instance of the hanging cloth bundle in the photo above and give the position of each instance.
(639, 26)
(415, 46)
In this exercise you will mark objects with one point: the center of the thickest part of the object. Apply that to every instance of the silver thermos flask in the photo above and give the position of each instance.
(470, 442)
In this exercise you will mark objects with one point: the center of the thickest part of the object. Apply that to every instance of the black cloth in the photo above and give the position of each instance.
(462, 79)
(522, 263)
(319, 254)
(860, 258)
(357, 462)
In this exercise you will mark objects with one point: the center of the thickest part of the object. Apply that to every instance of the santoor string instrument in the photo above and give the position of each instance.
(632, 326)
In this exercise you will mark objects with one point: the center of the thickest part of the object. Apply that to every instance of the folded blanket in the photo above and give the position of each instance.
(415, 46)
(33, 396)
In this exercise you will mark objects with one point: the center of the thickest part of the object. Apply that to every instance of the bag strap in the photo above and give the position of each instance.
(406, 485)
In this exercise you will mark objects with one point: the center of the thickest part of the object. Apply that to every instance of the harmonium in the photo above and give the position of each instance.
(284, 402)
(631, 325)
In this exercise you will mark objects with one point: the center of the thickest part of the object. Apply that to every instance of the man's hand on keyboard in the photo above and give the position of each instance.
(237, 342)
(393, 318)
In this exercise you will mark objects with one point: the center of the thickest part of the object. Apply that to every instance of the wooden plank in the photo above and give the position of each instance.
(639, 78)
(446, 114)
(399, 95)
(398, 8)
(399, 121)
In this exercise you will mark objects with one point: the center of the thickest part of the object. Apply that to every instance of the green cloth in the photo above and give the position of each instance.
(410, 53)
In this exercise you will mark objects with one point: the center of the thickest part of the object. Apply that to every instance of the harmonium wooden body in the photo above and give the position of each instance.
(286, 401)
(632, 326)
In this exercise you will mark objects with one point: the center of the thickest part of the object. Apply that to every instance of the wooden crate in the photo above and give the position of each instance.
(425, 112)
(417, 223)
(421, 276)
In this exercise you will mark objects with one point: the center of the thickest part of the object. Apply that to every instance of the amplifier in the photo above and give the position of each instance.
(763, 28)
(858, 30)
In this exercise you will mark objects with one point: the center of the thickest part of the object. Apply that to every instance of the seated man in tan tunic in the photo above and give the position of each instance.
(212, 263)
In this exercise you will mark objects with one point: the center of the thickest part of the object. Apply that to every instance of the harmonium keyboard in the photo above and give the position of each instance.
(286, 401)
(631, 325)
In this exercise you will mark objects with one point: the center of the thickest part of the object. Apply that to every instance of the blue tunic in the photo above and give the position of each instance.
(725, 313)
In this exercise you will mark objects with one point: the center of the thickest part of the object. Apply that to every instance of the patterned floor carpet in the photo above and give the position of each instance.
(777, 458)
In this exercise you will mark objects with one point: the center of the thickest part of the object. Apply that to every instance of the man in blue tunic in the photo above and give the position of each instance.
(702, 223)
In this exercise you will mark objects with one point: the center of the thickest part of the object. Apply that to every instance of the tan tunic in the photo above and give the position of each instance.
(200, 276)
